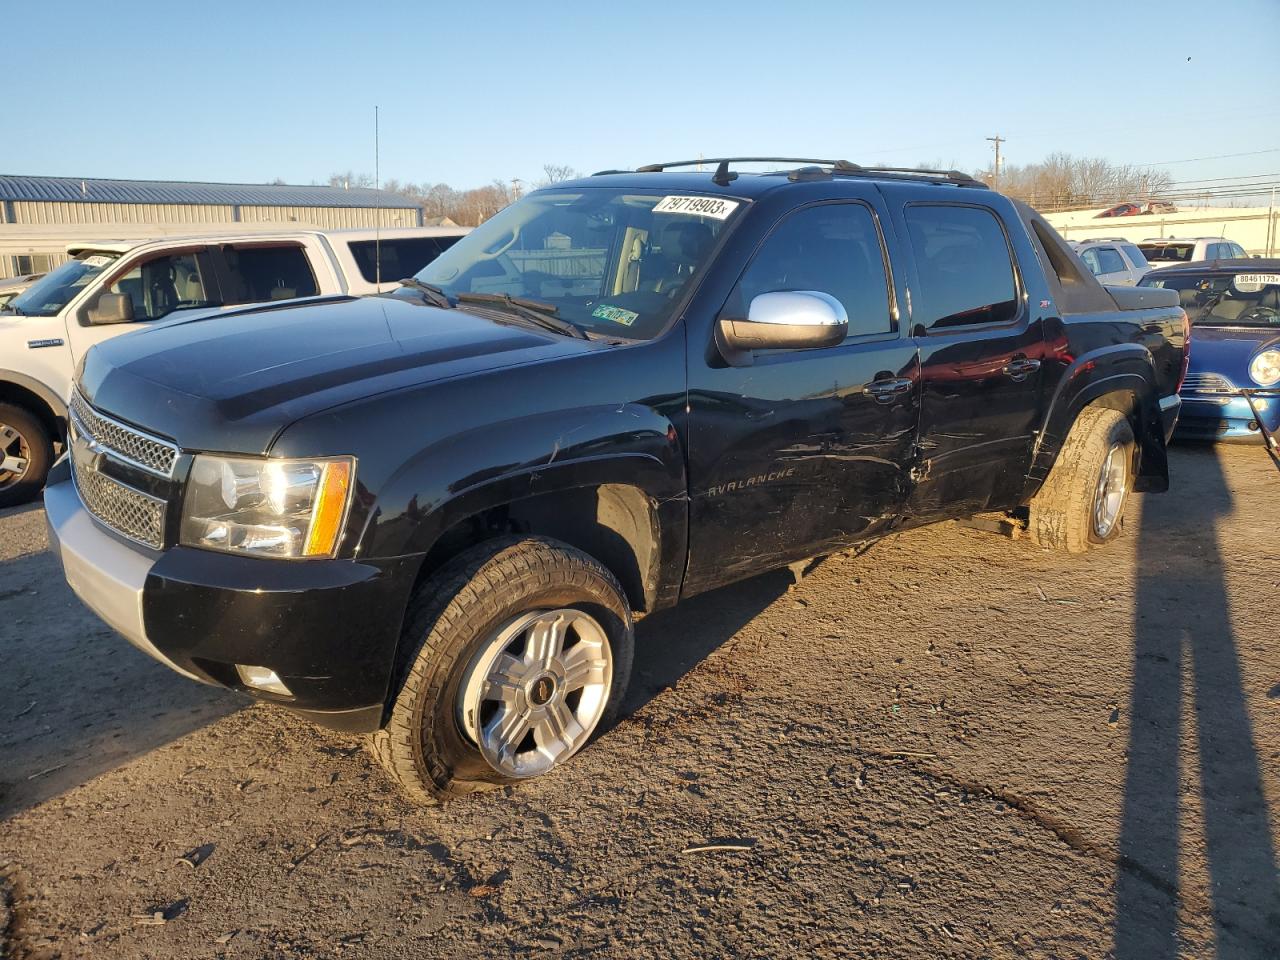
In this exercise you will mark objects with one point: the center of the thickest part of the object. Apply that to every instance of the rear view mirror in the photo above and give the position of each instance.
(786, 320)
(112, 308)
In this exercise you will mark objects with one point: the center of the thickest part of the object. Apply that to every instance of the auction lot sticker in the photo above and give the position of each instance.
(717, 208)
(1252, 282)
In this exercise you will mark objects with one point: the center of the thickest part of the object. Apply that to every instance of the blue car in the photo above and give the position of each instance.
(1234, 308)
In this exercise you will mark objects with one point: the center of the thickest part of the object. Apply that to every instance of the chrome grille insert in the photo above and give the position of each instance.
(1207, 383)
(133, 513)
(124, 443)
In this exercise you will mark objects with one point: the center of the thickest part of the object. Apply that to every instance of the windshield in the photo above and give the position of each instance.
(1226, 300)
(614, 263)
(1181, 252)
(56, 289)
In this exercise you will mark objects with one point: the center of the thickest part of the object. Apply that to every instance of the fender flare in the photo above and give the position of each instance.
(1118, 369)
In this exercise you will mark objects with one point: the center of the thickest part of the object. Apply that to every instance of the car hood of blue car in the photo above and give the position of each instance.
(1227, 351)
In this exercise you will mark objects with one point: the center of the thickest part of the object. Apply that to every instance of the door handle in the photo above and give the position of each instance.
(887, 391)
(1019, 368)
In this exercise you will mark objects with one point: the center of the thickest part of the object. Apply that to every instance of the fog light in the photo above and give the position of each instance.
(261, 678)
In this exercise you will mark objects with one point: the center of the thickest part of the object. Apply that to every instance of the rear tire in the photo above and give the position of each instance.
(23, 439)
(1081, 504)
(462, 694)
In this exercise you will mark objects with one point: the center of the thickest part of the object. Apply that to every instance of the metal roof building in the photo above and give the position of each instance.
(39, 215)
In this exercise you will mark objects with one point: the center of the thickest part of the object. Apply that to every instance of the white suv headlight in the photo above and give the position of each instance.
(1265, 368)
(267, 508)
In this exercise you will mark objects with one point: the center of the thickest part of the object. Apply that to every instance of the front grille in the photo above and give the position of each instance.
(133, 513)
(133, 446)
(1207, 383)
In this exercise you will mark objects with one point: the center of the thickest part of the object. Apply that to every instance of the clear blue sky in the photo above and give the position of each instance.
(472, 91)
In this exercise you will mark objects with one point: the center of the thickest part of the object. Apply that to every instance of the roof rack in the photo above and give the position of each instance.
(813, 170)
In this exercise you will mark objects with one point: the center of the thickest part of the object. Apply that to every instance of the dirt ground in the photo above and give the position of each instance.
(954, 745)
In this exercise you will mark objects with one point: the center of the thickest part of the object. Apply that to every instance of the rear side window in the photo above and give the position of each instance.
(1135, 256)
(962, 259)
(1110, 261)
(832, 248)
(401, 257)
(255, 274)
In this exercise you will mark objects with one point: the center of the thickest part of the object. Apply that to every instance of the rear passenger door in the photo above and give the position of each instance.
(981, 349)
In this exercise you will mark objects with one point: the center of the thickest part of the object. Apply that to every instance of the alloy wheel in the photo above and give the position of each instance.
(533, 694)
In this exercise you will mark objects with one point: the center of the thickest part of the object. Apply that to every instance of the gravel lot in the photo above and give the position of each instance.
(954, 745)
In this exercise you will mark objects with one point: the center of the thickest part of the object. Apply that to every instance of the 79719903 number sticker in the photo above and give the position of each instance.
(717, 208)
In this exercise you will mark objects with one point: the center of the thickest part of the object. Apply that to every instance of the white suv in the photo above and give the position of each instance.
(110, 288)
(1115, 261)
(1166, 251)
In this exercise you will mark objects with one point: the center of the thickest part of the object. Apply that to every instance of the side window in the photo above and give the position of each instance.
(255, 274)
(1237, 251)
(962, 258)
(831, 248)
(162, 285)
(1135, 257)
(1110, 261)
(401, 257)
(1090, 258)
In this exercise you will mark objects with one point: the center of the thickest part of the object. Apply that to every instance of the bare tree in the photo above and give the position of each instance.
(1064, 182)
(557, 173)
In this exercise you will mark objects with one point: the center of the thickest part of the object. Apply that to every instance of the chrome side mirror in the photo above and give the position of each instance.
(785, 320)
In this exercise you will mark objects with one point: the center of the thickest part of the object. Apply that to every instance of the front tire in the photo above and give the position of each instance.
(514, 654)
(26, 453)
(1081, 504)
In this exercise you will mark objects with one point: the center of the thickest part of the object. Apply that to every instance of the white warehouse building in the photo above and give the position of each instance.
(39, 216)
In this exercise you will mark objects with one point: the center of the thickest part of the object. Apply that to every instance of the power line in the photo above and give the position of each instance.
(1220, 156)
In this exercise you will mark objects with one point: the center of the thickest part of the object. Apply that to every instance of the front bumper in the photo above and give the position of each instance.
(1229, 419)
(328, 628)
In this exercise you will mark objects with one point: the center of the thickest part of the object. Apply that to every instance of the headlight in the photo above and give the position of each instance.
(1265, 368)
(267, 508)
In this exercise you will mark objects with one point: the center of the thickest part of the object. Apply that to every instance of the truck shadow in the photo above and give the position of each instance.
(77, 700)
(671, 643)
(1186, 654)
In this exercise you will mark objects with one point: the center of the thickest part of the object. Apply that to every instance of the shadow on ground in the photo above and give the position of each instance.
(1191, 649)
(671, 643)
(75, 698)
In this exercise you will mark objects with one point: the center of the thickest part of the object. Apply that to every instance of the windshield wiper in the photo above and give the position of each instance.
(535, 311)
(430, 292)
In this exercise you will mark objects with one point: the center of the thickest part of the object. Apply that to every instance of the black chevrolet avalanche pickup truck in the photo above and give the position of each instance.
(433, 516)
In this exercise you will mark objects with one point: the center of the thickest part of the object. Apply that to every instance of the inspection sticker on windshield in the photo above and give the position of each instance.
(1252, 282)
(716, 208)
(616, 314)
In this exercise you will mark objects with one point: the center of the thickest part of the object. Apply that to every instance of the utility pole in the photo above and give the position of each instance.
(995, 176)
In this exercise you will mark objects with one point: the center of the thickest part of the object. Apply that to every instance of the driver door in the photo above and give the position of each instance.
(804, 451)
(157, 286)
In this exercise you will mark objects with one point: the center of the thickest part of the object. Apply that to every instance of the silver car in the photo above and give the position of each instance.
(1113, 260)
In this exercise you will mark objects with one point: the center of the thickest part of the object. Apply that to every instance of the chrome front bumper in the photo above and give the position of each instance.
(107, 574)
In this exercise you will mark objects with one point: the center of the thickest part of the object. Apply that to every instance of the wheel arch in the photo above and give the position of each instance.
(24, 391)
(1120, 377)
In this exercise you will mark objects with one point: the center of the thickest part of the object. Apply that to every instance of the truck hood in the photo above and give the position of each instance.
(1227, 351)
(232, 382)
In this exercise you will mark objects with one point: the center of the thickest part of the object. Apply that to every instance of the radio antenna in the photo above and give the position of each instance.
(377, 211)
